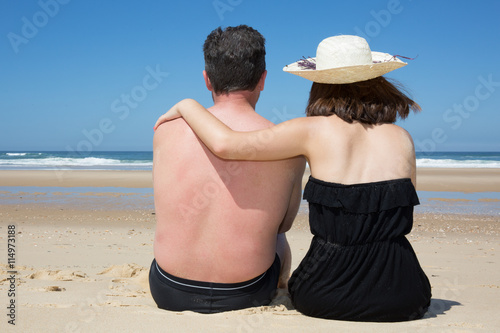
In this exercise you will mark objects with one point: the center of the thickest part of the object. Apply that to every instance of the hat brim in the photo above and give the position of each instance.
(342, 75)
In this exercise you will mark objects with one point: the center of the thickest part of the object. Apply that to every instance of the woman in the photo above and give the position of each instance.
(361, 191)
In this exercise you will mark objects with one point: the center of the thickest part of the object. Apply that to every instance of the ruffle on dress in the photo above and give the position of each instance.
(362, 198)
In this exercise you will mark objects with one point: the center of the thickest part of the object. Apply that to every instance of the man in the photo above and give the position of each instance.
(219, 242)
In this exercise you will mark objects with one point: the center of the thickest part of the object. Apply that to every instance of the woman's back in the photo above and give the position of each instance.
(351, 153)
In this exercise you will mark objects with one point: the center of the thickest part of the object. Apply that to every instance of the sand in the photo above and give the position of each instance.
(428, 179)
(82, 261)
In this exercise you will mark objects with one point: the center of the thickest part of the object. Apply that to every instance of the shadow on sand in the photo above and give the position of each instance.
(439, 307)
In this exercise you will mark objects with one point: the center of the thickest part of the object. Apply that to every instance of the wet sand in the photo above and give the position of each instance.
(428, 179)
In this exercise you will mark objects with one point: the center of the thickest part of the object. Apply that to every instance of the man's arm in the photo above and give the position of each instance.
(295, 196)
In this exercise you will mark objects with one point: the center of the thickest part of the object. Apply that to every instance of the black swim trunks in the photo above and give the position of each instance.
(177, 294)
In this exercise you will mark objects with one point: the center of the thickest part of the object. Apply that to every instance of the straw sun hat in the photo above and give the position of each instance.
(344, 59)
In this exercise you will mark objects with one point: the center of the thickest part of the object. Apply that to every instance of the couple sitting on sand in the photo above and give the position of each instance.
(220, 240)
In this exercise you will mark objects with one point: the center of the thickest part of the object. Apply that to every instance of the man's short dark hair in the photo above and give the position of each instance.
(235, 58)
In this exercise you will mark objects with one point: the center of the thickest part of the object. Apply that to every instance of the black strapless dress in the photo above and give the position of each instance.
(360, 266)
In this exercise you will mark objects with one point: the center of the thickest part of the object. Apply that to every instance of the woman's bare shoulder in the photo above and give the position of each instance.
(398, 131)
(404, 135)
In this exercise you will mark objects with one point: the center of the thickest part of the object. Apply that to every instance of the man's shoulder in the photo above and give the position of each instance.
(176, 129)
(260, 121)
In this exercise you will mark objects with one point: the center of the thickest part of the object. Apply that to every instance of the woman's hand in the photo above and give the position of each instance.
(171, 114)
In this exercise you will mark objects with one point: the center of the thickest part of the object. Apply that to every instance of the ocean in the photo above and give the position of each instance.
(63, 160)
(143, 160)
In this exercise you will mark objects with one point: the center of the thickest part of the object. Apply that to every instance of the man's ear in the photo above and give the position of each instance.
(207, 81)
(262, 81)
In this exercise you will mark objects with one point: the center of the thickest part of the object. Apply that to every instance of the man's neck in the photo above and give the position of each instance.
(236, 99)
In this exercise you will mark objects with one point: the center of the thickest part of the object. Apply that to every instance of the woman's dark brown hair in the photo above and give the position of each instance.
(372, 102)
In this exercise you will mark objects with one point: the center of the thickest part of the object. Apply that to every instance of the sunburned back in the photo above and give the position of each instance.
(217, 220)
(357, 153)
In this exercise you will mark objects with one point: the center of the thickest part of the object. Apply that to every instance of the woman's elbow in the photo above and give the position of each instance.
(222, 147)
(220, 151)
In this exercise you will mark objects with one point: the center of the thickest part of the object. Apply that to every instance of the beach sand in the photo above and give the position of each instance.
(428, 179)
(82, 260)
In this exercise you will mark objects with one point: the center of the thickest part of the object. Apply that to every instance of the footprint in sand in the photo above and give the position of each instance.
(53, 288)
(124, 271)
(129, 284)
(127, 272)
(57, 275)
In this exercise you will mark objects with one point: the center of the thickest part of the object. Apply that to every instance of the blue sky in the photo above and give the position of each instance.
(95, 75)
